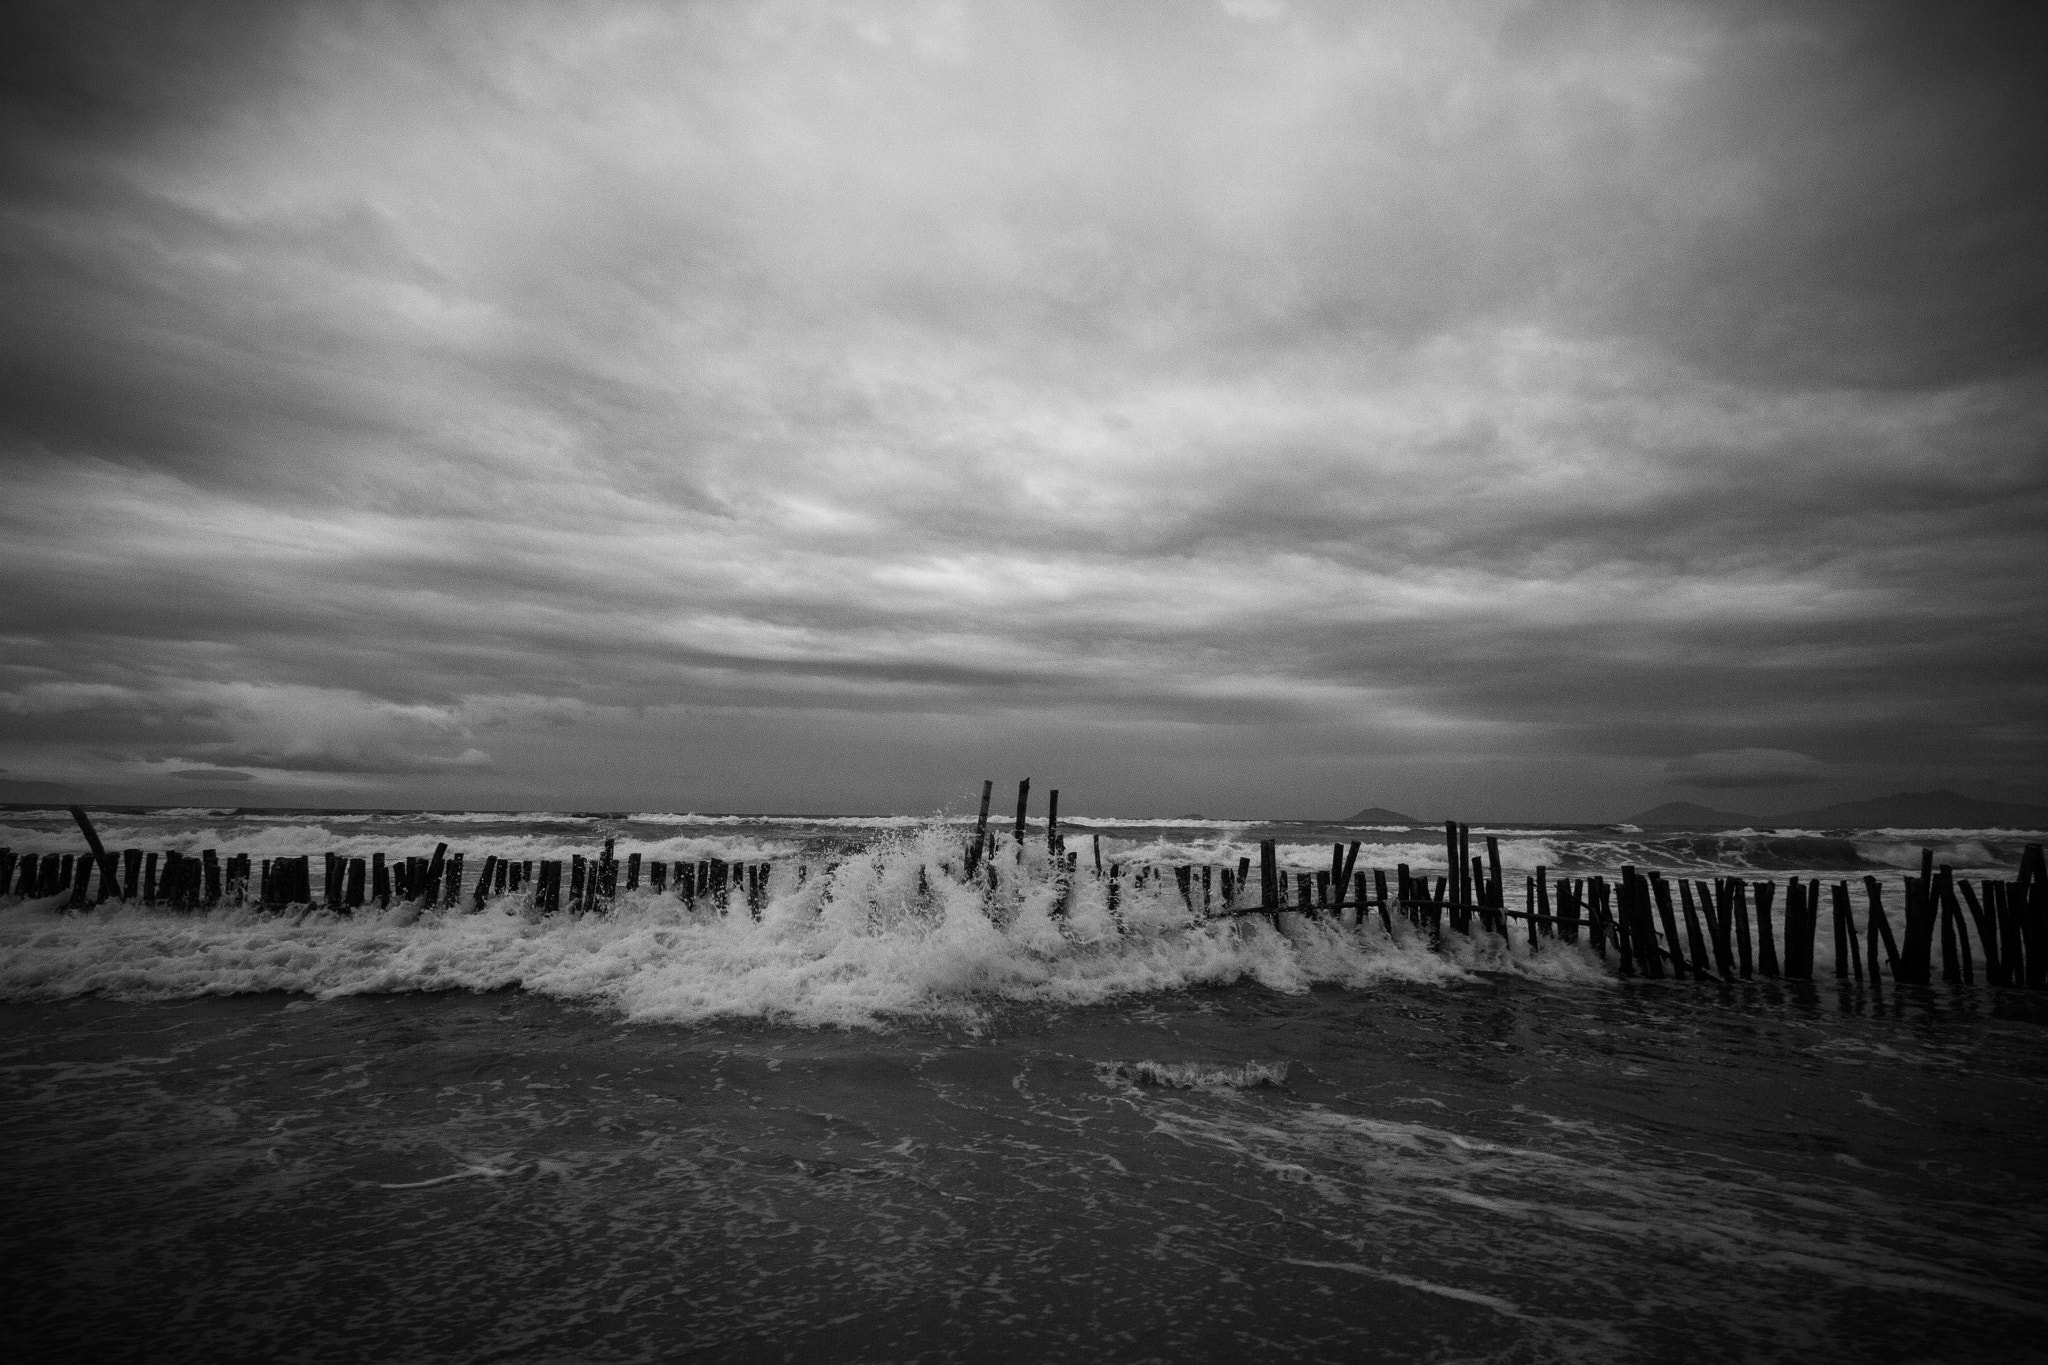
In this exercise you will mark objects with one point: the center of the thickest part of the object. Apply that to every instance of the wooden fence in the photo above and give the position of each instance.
(1721, 928)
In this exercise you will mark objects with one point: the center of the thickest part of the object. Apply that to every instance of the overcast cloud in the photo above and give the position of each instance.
(1513, 410)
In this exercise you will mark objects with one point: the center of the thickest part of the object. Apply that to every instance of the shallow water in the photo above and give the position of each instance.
(1493, 1168)
(898, 1117)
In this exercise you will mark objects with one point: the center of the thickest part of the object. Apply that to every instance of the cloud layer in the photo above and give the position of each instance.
(1279, 408)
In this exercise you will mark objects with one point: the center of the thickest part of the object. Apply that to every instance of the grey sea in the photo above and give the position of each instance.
(895, 1117)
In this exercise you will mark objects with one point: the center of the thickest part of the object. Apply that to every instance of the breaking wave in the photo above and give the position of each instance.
(886, 932)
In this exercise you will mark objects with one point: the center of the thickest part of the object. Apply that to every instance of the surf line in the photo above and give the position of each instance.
(1730, 931)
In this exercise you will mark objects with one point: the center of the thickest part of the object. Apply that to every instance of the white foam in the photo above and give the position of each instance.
(885, 935)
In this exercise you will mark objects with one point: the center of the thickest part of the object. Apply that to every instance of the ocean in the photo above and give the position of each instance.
(896, 1117)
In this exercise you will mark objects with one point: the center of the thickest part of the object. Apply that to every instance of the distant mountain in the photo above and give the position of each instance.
(1380, 815)
(1688, 813)
(1922, 810)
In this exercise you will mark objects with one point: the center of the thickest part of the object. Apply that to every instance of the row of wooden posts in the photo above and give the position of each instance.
(1720, 939)
(182, 882)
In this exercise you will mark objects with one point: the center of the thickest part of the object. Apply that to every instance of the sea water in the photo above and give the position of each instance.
(898, 1119)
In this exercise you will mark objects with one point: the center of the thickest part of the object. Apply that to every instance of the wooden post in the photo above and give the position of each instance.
(632, 872)
(1623, 922)
(1662, 890)
(1917, 952)
(1842, 932)
(1023, 799)
(101, 857)
(2029, 899)
(1846, 961)
(1269, 878)
(1461, 875)
(1880, 926)
(1951, 973)
(1498, 888)
(1452, 862)
(1802, 904)
(1695, 940)
(1720, 923)
(1987, 934)
(973, 860)
(1766, 942)
(1052, 821)
(1957, 927)
(1344, 877)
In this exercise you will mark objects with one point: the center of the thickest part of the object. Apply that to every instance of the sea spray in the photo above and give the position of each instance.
(886, 931)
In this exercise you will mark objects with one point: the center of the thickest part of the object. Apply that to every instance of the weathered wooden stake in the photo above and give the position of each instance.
(104, 859)
(1953, 912)
(1846, 931)
(1766, 940)
(1987, 934)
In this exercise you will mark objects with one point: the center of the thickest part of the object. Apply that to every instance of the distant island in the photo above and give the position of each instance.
(1905, 810)
(1380, 815)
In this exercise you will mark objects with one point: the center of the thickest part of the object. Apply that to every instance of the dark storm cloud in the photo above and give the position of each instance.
(1520, 405)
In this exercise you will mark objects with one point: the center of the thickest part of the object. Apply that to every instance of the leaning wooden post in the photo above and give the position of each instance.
(1023, 800)
(973, 859)
(1987, 934)
(1614, 901)
(1954, 913)
(430, 893)
(1695, 941)
(109, 877)
(1846, 961)
(1662, 889)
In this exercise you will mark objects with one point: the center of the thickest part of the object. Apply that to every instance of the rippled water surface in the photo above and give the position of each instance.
(1490, 1168)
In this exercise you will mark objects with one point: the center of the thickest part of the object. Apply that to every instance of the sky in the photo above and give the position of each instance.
(1255, 408)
